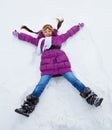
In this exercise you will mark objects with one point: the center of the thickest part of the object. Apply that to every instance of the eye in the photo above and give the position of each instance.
(45, 31)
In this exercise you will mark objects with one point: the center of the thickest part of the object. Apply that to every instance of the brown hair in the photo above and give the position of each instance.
(29, 30)
(47, 26)
(59, 23)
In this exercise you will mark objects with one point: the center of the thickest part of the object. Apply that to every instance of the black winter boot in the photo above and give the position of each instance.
(91, 97)
(28, 105)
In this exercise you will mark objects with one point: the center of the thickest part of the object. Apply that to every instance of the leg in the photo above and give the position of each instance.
(85, 92)
(41, 85)
(74, 81)
(32, 99)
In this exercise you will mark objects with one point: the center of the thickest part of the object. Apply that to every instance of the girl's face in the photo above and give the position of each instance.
(47, 32)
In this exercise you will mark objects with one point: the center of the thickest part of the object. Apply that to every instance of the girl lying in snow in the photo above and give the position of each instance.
(54, 62)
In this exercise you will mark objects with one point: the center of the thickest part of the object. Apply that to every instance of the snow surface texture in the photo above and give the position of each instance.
(60, 106)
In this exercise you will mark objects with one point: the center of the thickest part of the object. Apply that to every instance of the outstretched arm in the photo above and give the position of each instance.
(26, 37)
(71, 32)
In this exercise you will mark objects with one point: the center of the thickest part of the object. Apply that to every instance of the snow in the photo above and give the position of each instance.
(60, 106)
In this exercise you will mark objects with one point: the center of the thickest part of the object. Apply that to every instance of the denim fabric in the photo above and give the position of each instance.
(41, 85)
(74, 81)
(45, 79)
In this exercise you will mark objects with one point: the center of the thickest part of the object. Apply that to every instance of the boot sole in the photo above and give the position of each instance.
(25, 114)
(99, 103)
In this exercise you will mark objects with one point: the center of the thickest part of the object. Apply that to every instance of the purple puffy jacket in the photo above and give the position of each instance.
(53, 61)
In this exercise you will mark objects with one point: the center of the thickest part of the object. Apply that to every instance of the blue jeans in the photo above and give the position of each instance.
(45, 79)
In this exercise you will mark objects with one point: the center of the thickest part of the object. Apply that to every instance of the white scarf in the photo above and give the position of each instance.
(47, 44)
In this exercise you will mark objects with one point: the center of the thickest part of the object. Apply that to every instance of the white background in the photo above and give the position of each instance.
(60, 106)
